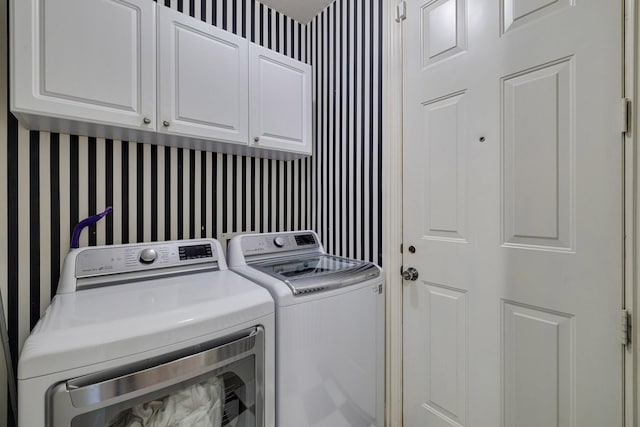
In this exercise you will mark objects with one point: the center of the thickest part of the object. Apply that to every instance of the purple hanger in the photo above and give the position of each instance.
(75, 237)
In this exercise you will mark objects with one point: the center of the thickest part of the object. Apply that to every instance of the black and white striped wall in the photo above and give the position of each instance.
(49, 181)
(346, 54)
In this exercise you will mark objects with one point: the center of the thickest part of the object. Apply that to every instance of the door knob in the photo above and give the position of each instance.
(410, 274)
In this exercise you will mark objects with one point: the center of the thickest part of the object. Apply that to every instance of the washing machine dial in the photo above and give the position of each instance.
(279, 242)
(148, 256)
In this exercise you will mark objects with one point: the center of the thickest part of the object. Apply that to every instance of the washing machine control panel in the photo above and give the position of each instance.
(130, 258)
(278, 242)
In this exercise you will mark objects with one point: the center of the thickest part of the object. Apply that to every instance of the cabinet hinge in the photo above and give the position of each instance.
(625, 115)
(625, 327)
(401, 11)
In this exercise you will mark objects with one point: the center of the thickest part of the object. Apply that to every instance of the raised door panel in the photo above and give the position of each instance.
(538, 152)
(437, 356)
(520, 12)
(443, 178)
(88, 60)
(203, 74)
(538, 364)
(280, 102)
(443, 30)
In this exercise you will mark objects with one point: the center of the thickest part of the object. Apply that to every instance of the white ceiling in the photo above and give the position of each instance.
(302, 11)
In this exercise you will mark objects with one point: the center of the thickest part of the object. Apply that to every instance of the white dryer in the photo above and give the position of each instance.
(329, 329)
(150, 333)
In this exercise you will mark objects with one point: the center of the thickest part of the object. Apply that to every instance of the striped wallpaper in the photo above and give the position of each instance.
(346, 54)
(49, 181)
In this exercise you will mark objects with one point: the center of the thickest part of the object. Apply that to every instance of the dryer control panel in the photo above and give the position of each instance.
(129, 258)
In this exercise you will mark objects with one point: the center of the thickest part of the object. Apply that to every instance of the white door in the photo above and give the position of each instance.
(203, 74)
(280, 101)
(91, 60)
(513, 213)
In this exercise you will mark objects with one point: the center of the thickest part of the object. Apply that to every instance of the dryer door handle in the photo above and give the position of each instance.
(94, 388)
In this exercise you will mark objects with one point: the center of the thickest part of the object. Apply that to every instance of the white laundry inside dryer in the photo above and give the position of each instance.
(197, 405)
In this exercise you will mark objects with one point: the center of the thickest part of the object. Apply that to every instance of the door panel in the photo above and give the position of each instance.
(444, 201)
(280, 106)
(521, 12)
(437, 356)
(68, 79)
(513, 203)
(88, 60)
(538, 128)
(538, 348)
(444, 30)
(203, 79)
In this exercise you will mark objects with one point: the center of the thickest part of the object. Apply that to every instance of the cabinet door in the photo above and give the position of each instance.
(87, 60)
(280, 101)
(203, 79)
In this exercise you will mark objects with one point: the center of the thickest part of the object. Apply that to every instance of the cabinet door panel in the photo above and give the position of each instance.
(203, 79)
(280, 103)
(91, 60)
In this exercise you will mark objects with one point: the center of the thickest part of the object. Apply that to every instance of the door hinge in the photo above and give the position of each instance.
(401, 248)
(401, 11)
(625, 114)
(625, 327)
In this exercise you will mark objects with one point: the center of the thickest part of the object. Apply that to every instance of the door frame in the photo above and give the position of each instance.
(631, 211)
(392, 209)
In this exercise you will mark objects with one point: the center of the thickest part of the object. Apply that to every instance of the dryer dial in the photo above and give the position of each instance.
(147, 256)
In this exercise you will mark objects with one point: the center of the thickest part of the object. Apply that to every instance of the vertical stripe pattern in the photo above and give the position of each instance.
(50, 181)
(346, 169)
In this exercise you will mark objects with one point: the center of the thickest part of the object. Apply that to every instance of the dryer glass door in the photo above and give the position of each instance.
(221, 385)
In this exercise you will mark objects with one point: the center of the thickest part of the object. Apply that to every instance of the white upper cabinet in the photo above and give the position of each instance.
(279, 102)
(92, 61)
(89, 67)
(203, 75)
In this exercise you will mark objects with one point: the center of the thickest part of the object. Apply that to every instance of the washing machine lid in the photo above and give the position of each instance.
(317, 272)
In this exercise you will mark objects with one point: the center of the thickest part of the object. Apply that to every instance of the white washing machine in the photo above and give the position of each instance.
(329, 329)
(150, 334)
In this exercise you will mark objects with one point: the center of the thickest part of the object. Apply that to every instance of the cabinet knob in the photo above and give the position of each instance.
(256, 139)
(165, 124)
(146, 120)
